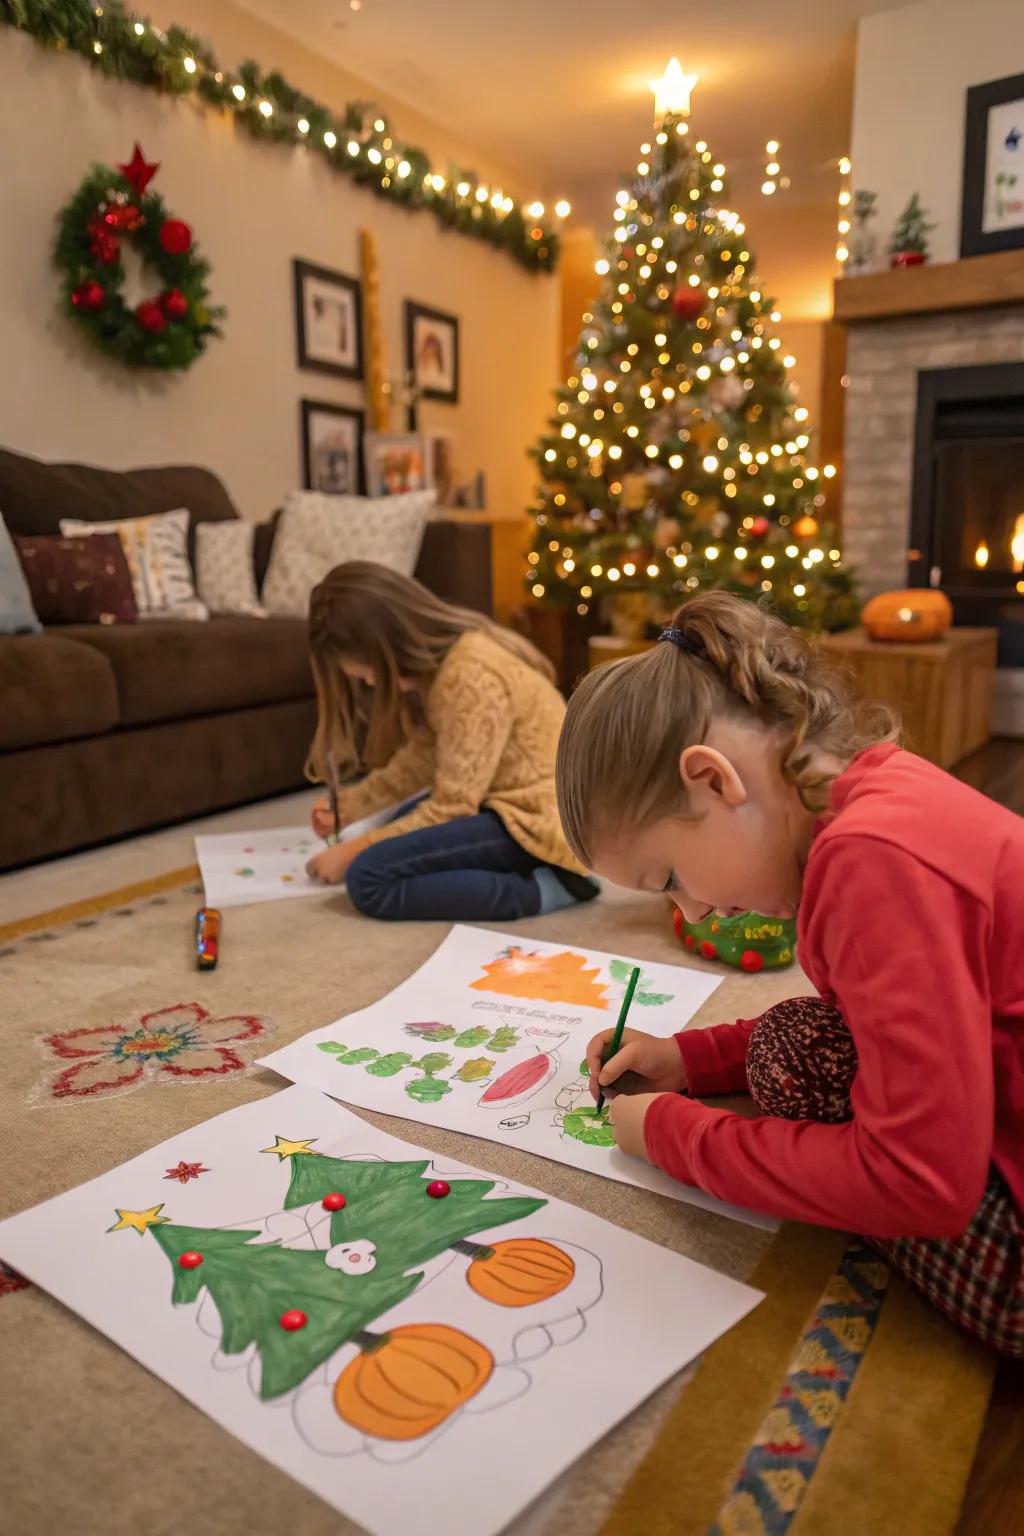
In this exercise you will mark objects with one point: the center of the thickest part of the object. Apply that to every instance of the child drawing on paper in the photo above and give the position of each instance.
(731, 767)
(428, 696)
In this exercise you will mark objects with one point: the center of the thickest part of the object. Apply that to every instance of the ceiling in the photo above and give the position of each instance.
(558, 89)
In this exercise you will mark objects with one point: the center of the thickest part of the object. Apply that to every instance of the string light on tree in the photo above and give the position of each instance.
(843, 200)
(675, 459)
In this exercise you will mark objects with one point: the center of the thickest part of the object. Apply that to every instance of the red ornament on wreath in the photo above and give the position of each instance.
(174, 304)
(114, 208)
(151, 317)
(88, 296)
(175, 237)
(688, 303)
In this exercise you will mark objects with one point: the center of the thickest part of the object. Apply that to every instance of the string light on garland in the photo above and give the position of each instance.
(125, 44)
(843, 199)
(771, 169)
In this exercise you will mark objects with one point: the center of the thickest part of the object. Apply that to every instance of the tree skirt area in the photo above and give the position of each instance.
(840, 1405)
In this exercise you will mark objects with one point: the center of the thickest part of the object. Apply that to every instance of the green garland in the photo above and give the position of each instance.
(358, 143)
(168, 330)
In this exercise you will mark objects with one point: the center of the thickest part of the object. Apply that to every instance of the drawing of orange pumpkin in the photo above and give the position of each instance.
(406, 1382)
(520, 1271)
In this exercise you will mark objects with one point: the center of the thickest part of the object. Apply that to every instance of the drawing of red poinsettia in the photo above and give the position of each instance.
(182, 1043)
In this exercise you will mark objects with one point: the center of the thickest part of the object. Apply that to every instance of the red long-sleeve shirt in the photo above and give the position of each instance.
(912, 924)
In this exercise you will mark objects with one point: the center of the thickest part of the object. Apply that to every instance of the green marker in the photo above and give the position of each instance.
(620, 1026)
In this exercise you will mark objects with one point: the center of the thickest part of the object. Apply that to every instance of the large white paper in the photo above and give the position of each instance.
(241, 868)
(489, 1037)
(520, 1356)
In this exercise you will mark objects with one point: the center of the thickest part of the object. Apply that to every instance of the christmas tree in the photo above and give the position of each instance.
(677, 458)
(299, 1305)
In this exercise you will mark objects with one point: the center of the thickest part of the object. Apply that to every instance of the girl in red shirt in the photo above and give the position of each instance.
(730, 767)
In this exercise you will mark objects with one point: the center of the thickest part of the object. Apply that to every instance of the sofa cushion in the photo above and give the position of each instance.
(78, 581)
(53, 689)
(175, 669)
(35, 496)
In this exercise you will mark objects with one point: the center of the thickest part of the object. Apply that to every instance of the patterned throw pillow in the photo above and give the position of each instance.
(17, 616)
(225, 572)
(78, 581)
(317, 532)
(156, 549)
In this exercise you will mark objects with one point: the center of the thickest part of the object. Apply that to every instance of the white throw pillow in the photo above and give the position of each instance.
(317, 532)
(225, 574)
(156, 549)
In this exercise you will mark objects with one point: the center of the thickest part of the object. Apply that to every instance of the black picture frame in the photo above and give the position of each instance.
(415, 314)
(975, 240)
(313, 476)
(350, 296)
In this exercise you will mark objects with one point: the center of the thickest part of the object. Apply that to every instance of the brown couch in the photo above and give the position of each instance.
(109, 730)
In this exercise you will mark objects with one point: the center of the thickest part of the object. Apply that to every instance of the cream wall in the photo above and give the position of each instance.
(914, 66)
(253, 207)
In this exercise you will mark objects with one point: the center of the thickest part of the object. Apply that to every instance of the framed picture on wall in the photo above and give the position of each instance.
(332, 448)
(328, 321)
(395, 462)
(992, 218)
(432, 351)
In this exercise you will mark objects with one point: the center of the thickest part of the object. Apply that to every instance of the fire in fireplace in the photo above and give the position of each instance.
(967, 509)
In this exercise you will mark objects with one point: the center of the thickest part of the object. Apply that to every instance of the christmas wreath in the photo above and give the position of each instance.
(110, 209)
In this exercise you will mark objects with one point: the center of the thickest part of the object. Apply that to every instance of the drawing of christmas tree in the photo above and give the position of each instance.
(299, 1305)
(559, 978)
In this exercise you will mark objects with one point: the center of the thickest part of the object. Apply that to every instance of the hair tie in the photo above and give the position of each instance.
(683, 641)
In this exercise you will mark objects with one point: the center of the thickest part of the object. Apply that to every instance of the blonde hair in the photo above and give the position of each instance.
(628, 722)
(394, 625)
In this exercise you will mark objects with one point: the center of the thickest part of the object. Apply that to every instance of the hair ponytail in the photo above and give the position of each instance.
(723, 656)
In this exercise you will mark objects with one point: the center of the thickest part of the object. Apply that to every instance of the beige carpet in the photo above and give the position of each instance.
(92, 1443)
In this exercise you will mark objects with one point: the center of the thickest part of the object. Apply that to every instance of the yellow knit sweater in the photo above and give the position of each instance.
(492, 729)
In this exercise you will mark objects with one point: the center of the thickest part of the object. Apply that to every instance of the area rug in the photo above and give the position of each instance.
(840, 1406)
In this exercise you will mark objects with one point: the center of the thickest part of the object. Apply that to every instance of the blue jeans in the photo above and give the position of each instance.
(467, 870)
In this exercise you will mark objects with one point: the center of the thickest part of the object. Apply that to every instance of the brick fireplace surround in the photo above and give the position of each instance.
(960, 314)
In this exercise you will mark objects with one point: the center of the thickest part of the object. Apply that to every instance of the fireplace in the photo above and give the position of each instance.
(967, 494)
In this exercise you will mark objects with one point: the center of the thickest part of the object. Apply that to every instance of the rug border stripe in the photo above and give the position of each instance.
(91, 906)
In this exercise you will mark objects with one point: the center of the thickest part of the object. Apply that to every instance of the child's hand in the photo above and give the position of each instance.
(656, 1062)
(321, 818)
(627, 1113)
(332, 864)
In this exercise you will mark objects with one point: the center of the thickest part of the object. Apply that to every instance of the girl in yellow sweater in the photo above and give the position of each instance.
(436, 698)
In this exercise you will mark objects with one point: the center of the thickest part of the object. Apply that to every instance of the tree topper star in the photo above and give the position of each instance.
(138, 172)
(139, 1221)
(285, 1148)
(672, 91)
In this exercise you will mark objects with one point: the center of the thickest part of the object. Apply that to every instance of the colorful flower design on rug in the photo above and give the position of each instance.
(180, 1044)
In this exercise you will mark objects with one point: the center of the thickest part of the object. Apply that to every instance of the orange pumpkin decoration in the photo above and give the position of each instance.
(520, 1271)
(406, 1382)
(918, 614)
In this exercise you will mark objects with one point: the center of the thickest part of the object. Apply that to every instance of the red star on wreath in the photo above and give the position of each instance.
(185, 1171)
(138, 172)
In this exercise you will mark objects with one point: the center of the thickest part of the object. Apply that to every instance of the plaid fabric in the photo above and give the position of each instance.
(801, 1062)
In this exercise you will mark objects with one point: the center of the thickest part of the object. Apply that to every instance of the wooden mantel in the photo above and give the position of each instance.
(977, 283)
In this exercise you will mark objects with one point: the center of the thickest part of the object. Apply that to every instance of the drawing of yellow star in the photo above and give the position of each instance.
(139, 1221)
(285, 1148)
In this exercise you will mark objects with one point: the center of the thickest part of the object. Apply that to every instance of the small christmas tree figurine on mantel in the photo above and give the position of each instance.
(909, 244)
(678, 458)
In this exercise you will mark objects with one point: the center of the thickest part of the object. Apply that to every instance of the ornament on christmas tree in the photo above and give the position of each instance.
(679, 425)
(688, 303)
(112, 208)
(806, 527)
(749, 942)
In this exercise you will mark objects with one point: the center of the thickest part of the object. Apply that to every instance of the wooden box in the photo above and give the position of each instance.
(942, 689)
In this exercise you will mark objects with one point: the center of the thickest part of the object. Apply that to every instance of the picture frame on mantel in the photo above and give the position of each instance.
(992, 214)
(332, 448)
(328, 321)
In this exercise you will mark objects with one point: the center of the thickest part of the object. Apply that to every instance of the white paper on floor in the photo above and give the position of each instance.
(241, 868)
(382, 1338)
(489, 1037)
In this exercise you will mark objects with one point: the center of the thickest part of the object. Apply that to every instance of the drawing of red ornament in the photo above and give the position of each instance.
(182, 1043)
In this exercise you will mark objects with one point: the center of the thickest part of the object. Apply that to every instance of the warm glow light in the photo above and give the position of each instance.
(672, 91)
(302, 125)
(772, 147)
(767, 187)
(536, 210)
(563, 208)
(601, 267)
(844, 167)
(266, 110)
(330, 139)
(1017, 544)
(981, 555)
(238, 92)
(189, 65)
